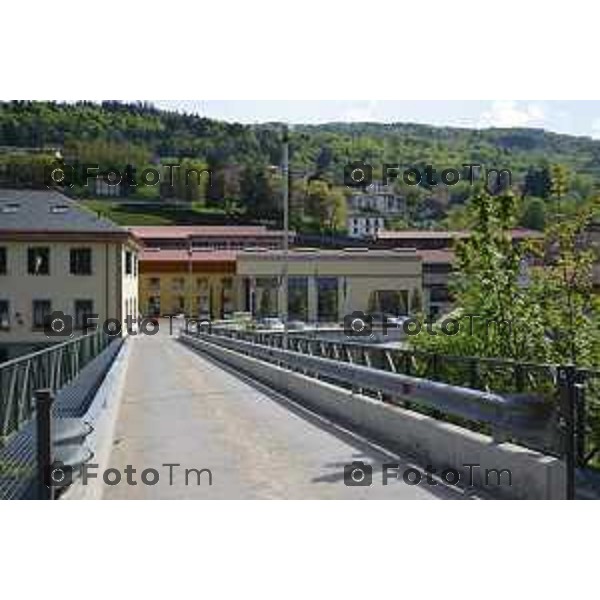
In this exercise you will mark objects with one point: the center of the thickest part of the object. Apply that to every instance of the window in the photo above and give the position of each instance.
(41, 312)
(178, 284)
(327, 298)
(83, 311)
(38, 261)
(2, 261)
(128, 263)
(81, 261)
(154, 284)
(154, 305)
(298, 298)
(4, 315)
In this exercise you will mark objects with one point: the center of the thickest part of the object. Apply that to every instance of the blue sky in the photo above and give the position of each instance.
(573, 117)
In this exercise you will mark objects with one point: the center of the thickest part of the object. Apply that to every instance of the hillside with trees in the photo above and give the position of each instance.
(241, 159)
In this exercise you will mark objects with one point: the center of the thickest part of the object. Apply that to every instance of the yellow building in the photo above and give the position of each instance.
(324, 285)
(198, 282)
(57, 257)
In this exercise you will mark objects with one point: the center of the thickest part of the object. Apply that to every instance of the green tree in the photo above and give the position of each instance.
(497, 316)
(260, 192)
(528, 301)
(191, 180)
(534, 214)
(326, 206)
(564, 287)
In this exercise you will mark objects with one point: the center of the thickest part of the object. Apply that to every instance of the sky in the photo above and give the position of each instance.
(580, 117)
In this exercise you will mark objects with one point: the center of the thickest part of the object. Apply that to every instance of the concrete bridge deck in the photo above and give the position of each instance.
(179, 407)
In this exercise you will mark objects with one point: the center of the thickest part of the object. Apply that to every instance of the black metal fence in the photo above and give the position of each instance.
(51, 368)
(51, 387)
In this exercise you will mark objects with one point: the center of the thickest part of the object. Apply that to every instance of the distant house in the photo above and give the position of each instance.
(362, 225)
(100, 187)
(368, 210)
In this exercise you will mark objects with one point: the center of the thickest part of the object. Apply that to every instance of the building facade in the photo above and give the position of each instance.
(326, 285)
(57, 256)
(197, 282)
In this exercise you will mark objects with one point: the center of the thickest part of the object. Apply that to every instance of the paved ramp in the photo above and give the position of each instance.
(179, 407)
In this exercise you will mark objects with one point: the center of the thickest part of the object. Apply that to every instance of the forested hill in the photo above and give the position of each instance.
(315, 148)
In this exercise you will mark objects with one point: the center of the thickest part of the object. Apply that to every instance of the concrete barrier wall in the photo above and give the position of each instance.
(442, 445)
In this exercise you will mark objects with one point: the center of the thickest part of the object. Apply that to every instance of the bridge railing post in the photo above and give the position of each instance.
(568, 401)
(44, 399)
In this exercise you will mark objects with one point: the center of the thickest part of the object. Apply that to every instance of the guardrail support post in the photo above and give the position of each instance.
(568, 396)
(580, 419)
(43, 402)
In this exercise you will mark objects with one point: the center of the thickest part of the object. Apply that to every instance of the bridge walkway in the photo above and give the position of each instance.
(179, 407)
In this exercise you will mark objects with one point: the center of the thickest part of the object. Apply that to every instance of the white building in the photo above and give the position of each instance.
(368, 210)
(57, 256)
(100, 187)
(365, 225)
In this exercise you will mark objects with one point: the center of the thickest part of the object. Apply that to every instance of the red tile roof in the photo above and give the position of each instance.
(423, 234)
(149, 255)
(184, 231)
(419, 234)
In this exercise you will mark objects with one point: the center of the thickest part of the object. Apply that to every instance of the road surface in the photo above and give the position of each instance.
(180, 408)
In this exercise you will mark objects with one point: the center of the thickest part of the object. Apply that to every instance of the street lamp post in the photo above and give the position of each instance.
(285, 168)
(189, 287)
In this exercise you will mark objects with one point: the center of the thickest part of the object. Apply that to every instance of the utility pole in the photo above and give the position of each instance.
(285, 168)
(190, 286)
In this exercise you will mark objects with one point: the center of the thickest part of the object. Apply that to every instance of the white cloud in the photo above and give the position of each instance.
(596, 129)
(508, 113)
(361, 112)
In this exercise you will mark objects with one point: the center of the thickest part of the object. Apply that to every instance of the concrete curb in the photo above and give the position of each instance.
(442, 445)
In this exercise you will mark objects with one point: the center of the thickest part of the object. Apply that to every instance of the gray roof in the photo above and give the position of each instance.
(47, 210)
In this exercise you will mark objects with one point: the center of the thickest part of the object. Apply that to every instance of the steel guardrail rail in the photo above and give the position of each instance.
(503, 412)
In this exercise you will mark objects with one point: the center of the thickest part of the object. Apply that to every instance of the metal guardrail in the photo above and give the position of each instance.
(551, 408)
(524, 415)
(52, 368)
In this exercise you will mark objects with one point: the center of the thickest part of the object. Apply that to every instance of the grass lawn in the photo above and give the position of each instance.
(160, 213)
